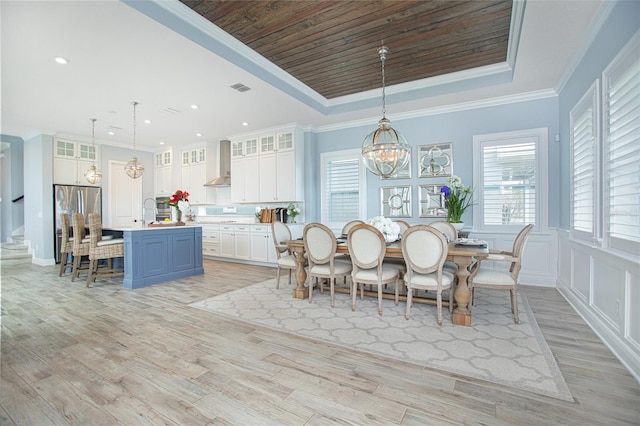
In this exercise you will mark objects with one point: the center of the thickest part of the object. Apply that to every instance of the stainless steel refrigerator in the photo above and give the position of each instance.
(71, 199)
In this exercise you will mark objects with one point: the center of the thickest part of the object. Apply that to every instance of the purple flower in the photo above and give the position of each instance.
(446, 191)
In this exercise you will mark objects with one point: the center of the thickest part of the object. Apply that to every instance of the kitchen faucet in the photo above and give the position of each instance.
(144, 209)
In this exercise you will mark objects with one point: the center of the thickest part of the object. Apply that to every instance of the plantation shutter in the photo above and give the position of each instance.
(342, 193)
(509, 183)
(622, 153)
(584, 163)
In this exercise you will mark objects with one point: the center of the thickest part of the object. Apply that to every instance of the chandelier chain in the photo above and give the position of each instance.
(135, 153)
(383, 52)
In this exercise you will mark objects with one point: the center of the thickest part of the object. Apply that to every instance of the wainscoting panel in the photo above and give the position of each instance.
(604, 288)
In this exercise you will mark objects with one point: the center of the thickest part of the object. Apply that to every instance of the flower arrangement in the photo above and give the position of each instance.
(389, 228)
(293, 211)
(180, 201)
(458, 199)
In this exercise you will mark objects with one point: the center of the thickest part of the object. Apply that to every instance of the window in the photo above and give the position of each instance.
(343, 188)
(621, 93)
(510, 173)
(584, 148)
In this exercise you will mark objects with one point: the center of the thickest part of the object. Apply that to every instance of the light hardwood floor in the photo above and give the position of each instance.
(106, 355)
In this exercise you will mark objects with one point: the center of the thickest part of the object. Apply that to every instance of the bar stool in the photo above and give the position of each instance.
(100, 249)
(80, 245)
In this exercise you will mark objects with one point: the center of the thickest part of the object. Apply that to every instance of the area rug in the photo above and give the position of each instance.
(494, 348)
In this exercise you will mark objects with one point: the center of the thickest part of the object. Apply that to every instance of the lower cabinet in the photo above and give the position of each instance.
(262, 248)
(210, 240)
(243, 242)
(235, 242)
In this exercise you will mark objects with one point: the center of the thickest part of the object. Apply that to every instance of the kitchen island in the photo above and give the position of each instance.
(157, 255)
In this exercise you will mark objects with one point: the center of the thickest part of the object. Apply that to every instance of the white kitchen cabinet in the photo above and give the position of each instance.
(163, 184)
(71, 161)
(244, 180)
(277, 177)
(235, 241)
(210, 240)
(195, 172)
(262, 248)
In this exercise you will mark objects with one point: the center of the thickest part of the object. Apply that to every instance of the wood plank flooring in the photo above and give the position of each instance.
(73, 355)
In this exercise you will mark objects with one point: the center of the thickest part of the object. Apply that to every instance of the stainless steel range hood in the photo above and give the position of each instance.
(224, 157)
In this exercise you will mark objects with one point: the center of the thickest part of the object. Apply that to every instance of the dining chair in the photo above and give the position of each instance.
(102, 249)
(451, 235)
(281, 232)
(403, 225)
(367, 248)
(425, 249)
(80, 245)
(349, 225)
(320, 245)
(483, 277)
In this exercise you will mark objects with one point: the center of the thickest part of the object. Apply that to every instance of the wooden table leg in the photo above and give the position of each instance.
(461, 314)
(300, 292)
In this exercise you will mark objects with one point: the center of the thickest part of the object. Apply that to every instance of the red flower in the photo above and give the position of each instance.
(179, 195)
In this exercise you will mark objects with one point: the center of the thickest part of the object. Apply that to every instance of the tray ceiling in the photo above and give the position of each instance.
(331, 46)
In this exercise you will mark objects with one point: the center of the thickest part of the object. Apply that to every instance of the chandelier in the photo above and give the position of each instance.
(385, 151)
(134, 168)
(93, 175)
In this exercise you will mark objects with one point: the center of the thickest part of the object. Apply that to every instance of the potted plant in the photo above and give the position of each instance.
(293, 211)
(458, 198)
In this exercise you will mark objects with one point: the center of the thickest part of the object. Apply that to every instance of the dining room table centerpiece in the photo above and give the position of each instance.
(458, 198)
(390, 230)
(179, 201)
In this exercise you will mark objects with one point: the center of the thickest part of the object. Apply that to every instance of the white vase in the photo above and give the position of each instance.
(458, 225)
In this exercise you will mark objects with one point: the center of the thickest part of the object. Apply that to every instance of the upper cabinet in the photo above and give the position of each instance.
(267, 167)
(197, 168)
(71, 161)
(163, 173)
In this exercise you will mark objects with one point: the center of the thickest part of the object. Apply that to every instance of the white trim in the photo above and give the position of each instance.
(542, 177)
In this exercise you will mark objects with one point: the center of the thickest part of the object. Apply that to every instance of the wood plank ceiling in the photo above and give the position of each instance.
(331, 46)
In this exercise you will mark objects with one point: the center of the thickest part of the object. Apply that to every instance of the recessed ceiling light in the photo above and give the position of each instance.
(112, 133)
(61, 60)
(198, 134)
(244, 123)
(161, 143)
(194, 106)
(147, 121)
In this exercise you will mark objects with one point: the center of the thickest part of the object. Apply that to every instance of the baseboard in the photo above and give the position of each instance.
(43, 262)
(619, 348)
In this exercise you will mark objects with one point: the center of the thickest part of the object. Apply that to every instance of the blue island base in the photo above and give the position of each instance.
(157, 255)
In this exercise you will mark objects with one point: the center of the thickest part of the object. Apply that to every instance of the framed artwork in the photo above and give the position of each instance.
(432, 200)
(395, 201)
(435, 160)
(404, 173)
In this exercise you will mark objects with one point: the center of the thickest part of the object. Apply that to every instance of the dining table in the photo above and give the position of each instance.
(462, 256)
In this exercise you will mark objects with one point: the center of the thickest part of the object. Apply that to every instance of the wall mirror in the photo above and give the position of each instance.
(432, 201)
(404, 173)
(435, 160)
(396, 201)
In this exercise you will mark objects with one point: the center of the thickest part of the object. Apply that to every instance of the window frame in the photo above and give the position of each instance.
(349, 154)
(540, 136)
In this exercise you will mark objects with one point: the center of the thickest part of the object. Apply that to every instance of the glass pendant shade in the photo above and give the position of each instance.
(134, 168)
(93, 175)
(385, 151)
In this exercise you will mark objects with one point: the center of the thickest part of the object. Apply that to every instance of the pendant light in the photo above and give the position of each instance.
(385, 151)
(134, 168)
(93, 175)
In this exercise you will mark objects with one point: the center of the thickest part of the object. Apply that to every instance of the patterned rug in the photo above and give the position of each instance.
(493, 348)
